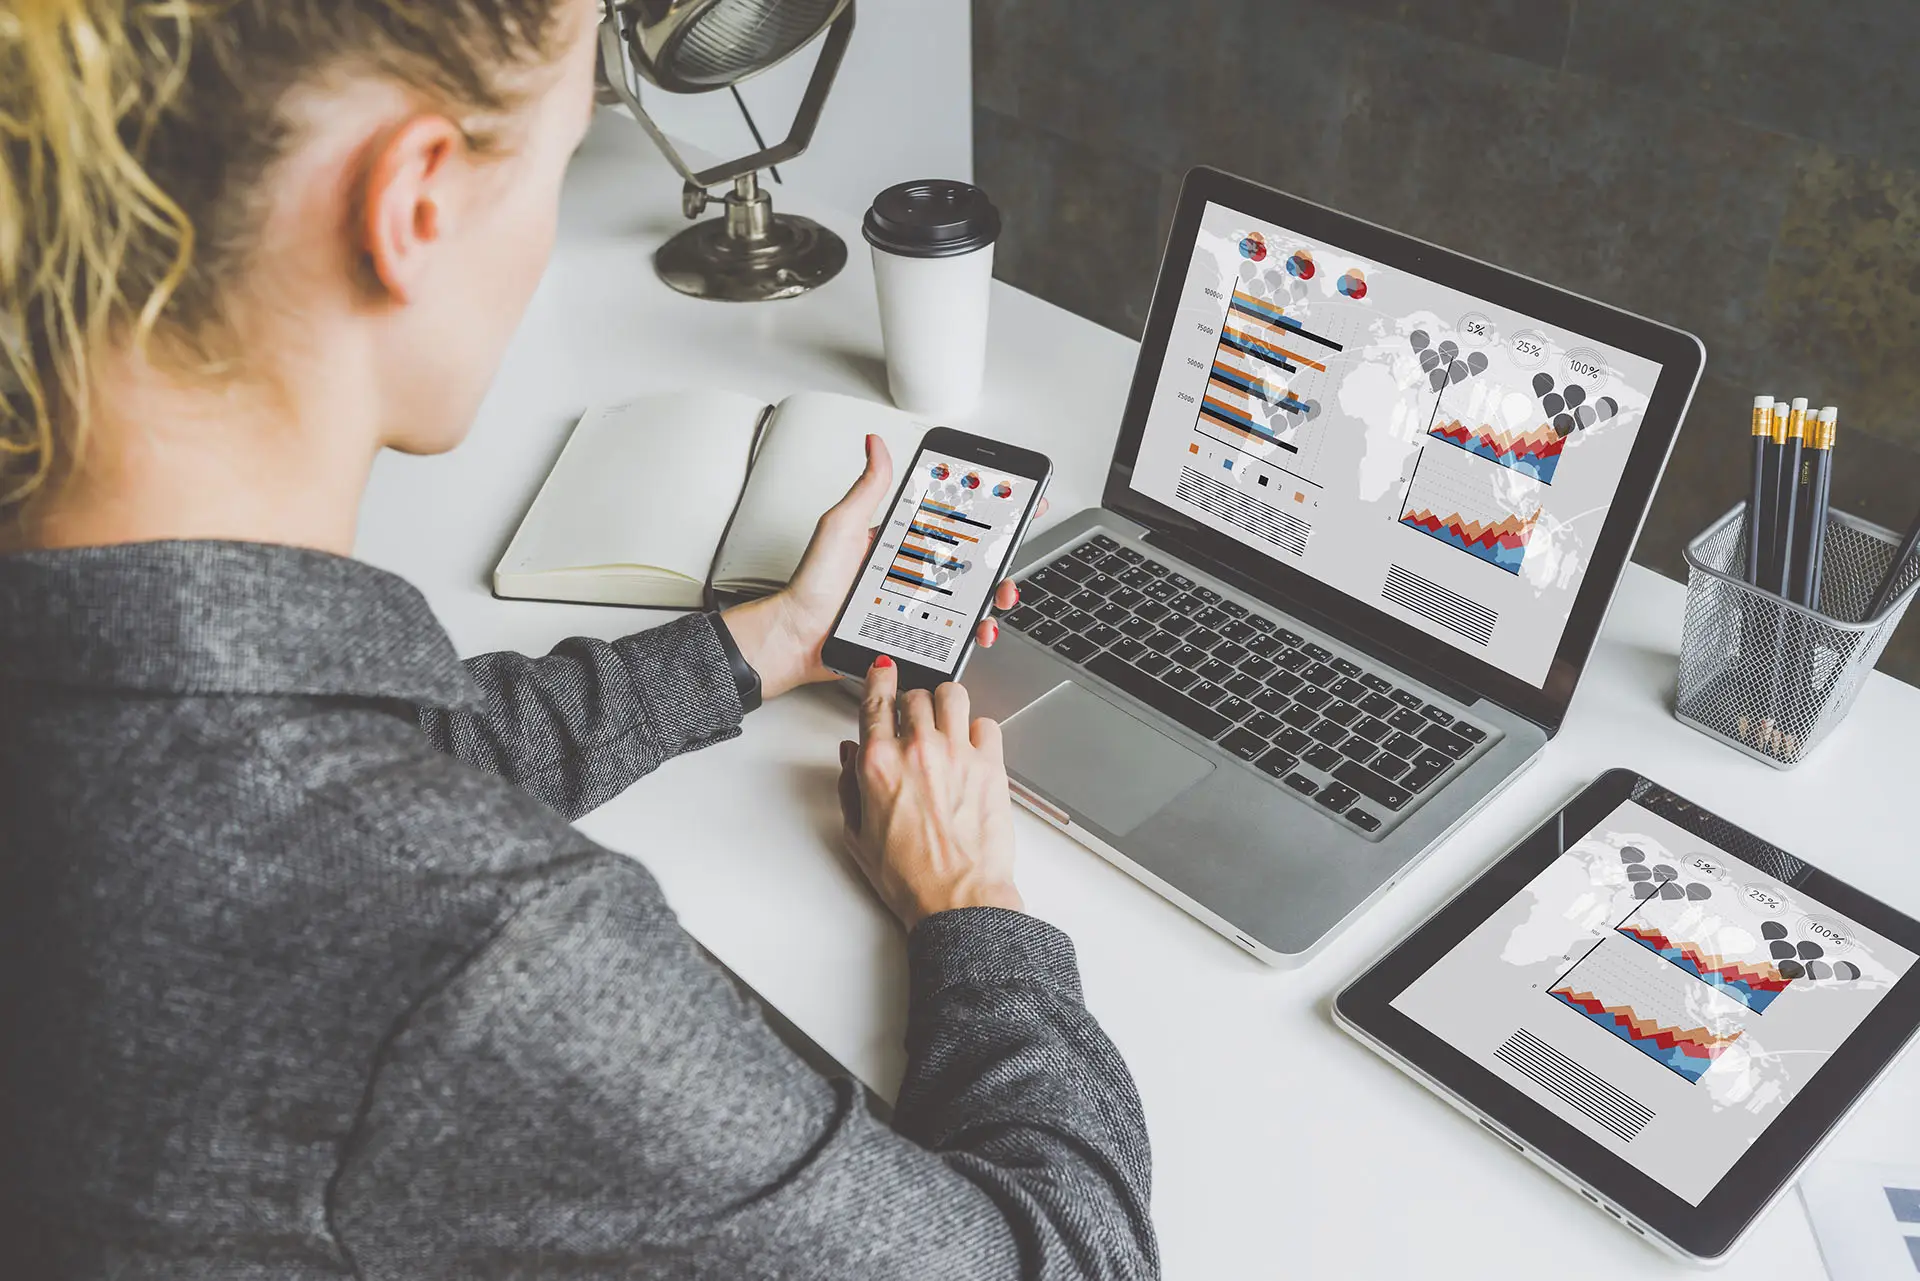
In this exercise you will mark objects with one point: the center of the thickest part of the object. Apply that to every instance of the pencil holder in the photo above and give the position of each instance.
(1767, 675)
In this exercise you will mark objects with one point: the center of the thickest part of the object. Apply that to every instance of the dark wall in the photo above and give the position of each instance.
(1747, 170)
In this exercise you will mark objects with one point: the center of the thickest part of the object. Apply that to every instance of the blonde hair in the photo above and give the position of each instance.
(133, 134)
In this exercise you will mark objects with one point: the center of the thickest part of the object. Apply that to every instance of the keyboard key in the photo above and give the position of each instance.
(1446, 741)
(1216, 671)
(1239, 630)
(1387, 766)
(1407, 722)
(1162, 643)
(1258, 668)
(1206, 594)
(1265, 646)
(1126, 598)
(1240, 685)
(1363, 820)
(1348, 688)
(1372, 729)
(1379, 790)
(1228, 652)
(1048, 632)
(1136, 627)
(1206, 692)
(1406, 698)
(1346, 667)
(1153, 566)
(1373, 704)
(1264, 724)
(1077, 648)
(1292, 638)
(1322, 757)
(1128, 648)
(1326, 731)
(1031, 588)
(1187, 603)
(1314, 698)
(1054, 607)
(1105, 584)
(1337, 796)
(1320, 674)
(1151, 610)
(1136, 577)
(1271, 700)
(1052, 582)
(1436, 715)
(1358, 749)
(1077, 620)
(1154, 694)
(1153, 664)
(1188, 656)
(1205, 637)
(1285, 682)
(1023, 618)
(1342, 713)
(1432, 760)
(1234, 607)
(1071, 566)
(1471, 732)
(1416, 779)
(1104, 543)
(1180, 580)
(1320, 652)
(1293, 660)
(1299, 717)
(1178, 624)
(1244, 745)
(1292, 740)
(1380, 683)
(1211, 617)
(1114, 564)
(1234, 709)
(1112, 615)
(1161, 590)
(1179, 678)
(1130, 556)
(1102, 635)
(1261, 624)
(1276, 763)
(1302, 784)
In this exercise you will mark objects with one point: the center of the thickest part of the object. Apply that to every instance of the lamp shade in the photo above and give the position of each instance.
(694, 46)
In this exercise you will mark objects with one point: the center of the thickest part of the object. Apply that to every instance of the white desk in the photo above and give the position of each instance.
(1280, 1146)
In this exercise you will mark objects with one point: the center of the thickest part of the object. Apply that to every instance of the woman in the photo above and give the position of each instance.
(304, 975)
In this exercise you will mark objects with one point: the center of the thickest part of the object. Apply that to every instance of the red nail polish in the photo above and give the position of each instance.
(1016, 594)
(993, 631)
(883, 661)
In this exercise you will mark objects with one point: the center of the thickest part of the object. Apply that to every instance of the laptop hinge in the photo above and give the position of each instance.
(1408, 663)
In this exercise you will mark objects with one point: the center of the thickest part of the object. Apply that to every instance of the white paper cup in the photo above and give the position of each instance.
(933, 270)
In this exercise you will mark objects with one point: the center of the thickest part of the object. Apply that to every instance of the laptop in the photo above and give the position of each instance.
(1368, 508)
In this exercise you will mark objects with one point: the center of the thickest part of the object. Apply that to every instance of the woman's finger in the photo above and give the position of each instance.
(985, 734)
(849, 786)
(876, 707)
(867, 492)
(916, 712)
(1006, 596)
(987, 632)
(951, 710)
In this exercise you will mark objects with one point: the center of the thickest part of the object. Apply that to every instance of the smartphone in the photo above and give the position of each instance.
(965, 502)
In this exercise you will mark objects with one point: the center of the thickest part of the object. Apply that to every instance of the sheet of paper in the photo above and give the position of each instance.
(643, 486)
(809, 457)
(1866, 1218)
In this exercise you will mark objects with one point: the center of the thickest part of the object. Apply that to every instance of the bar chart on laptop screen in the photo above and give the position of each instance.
(1487, 513)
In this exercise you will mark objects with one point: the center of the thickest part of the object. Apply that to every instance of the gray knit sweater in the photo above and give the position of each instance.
(291, 989)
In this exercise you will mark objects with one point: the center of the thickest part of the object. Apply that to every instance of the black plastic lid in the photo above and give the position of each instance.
(931, 218)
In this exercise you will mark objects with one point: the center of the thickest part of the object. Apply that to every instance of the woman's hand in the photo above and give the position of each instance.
(781, 634)
(924, 796)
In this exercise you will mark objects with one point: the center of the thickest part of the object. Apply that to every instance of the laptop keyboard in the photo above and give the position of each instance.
(1346, 738)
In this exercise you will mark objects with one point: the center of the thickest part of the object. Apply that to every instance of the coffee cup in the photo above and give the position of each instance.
(932, 245)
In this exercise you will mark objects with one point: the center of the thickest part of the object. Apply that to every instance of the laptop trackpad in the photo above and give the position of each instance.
(1081, 751)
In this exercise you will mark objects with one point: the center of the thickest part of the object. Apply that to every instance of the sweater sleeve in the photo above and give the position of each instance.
(591, 1098)
(579, 726)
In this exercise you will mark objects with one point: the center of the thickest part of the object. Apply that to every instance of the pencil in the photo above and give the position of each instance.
(1819, 485)
(1783, 570)
(1766, 522)
(1762, 434)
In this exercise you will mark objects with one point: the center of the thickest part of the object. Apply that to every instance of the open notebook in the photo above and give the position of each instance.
(684, 498)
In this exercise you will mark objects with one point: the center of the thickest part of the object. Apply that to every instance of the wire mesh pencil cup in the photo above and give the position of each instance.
(1766, 675)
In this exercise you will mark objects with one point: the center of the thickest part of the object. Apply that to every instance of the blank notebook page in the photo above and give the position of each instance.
(643, 486)
(810, 455)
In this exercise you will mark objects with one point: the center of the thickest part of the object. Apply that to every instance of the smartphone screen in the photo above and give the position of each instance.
(943, 549)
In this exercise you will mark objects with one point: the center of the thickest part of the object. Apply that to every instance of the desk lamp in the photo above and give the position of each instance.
(696, 46)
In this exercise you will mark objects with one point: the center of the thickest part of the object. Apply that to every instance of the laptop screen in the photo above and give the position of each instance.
(1429, 453)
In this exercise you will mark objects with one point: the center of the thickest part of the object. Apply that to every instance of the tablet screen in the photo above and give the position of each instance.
(1659, 994)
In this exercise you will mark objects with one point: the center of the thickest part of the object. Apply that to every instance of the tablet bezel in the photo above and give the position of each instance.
(1679, 355)
(1711, 1228)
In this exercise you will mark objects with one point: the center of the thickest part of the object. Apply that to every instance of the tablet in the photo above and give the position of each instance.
(1660, 1008)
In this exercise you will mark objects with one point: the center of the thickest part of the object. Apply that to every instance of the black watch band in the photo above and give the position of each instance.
(745, 679)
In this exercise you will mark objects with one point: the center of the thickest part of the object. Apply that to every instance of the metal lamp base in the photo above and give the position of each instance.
(793, 256)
